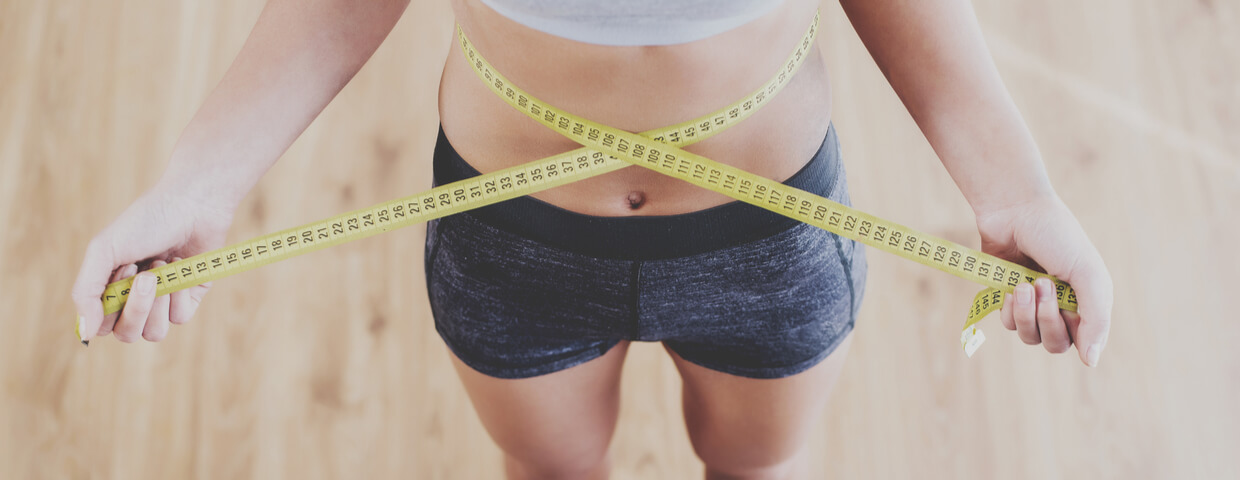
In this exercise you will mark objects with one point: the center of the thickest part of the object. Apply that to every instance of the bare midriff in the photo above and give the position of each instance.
(637, 89)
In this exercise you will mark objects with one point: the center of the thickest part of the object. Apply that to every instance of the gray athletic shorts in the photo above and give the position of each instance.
(524, 288)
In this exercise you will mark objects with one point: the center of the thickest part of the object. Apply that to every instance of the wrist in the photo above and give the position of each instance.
(1014, 204)
(1015, 192)
(209, 184)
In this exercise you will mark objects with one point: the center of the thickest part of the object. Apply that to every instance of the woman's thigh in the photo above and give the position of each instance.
(561, 421)
(740, 425)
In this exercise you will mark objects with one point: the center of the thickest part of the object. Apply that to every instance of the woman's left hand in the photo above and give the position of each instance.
(1042, 233)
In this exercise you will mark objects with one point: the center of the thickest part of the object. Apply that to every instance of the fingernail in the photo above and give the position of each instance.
(1093, 353)
(144, 283)
(1045, 287)
(81, 327)
(1024, 294)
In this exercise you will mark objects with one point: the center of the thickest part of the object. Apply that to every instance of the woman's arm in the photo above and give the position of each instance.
(934, 56)
(298, 56)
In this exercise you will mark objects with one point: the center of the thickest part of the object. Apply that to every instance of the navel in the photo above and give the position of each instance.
(636, 200)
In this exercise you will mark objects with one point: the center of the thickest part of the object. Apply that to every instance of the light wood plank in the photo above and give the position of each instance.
(1134, 103)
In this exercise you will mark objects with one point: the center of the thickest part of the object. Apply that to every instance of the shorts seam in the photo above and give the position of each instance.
(845, 261)
(430, 256)
(846, 264)
(635, 280)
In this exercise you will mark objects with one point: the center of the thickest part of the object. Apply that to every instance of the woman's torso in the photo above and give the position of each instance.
(644, 88)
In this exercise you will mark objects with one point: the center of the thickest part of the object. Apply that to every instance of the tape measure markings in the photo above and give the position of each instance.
(438, 202)
(605, 150)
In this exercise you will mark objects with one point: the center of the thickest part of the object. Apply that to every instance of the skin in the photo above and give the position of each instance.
(660, 86)
(300, 54)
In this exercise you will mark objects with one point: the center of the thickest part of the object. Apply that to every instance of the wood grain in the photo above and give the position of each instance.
(1135, 104)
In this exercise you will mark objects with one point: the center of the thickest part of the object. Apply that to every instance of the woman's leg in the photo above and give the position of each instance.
(745, 428)
(554, 426)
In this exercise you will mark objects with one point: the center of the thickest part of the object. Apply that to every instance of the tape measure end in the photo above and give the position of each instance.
(971, 339)
(81, 325)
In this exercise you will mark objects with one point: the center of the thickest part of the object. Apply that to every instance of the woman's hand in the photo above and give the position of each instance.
(1042, 233)
(296, 59)
(159, 227)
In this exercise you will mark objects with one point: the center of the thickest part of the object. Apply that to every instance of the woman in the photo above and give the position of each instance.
(538, 297)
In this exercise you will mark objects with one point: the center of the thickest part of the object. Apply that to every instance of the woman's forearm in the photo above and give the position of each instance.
(935, 58)
(298, 56)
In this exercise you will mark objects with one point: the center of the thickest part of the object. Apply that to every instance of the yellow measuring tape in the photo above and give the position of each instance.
(606, 149)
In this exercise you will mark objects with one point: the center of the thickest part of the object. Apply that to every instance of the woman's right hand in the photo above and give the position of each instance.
(161, 226)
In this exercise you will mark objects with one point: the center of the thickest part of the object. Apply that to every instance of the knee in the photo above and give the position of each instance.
(756, 463)
(592, 463)
(778, 471)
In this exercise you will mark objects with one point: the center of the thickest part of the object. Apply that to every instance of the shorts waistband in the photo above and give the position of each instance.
(641, 237)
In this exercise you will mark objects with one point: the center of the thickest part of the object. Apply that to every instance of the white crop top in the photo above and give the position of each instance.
(633, 22)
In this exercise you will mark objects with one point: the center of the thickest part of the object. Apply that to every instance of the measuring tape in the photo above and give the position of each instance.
(606, 149)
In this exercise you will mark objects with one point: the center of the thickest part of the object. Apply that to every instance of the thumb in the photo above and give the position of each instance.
(1095, 297)
(92, 279)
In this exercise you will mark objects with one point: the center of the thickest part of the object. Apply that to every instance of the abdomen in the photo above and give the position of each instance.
(636, 89)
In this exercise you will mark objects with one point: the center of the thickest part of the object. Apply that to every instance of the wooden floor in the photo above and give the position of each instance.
(1135, 103)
